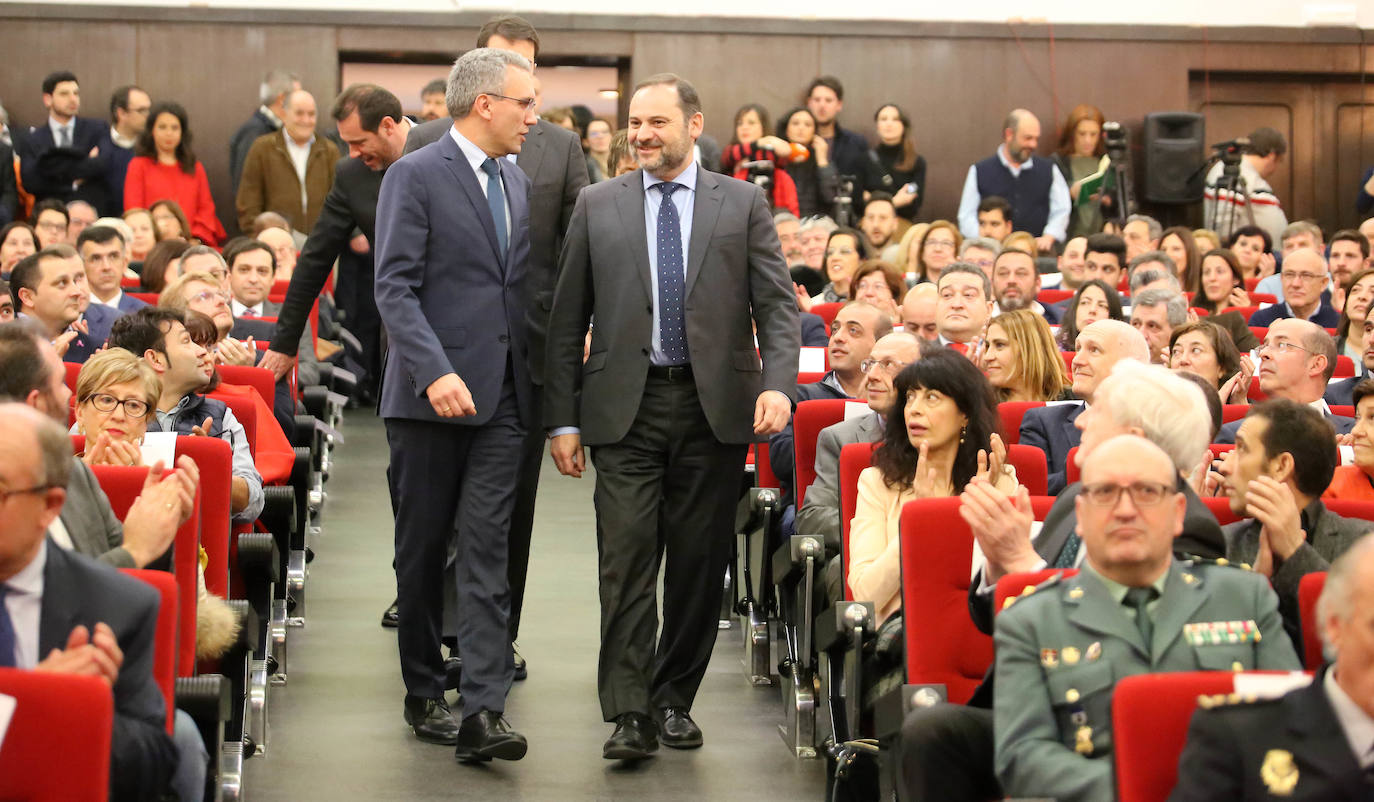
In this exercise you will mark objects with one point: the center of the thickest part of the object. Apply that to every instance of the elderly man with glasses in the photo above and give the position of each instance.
(1297, 359)
(1304, 277)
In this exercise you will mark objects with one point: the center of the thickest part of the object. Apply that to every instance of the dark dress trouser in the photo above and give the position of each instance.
(945, 754)
(667, 486)
(440, 473)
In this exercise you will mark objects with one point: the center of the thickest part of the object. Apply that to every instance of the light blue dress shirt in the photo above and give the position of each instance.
(685, 202)
(475, 157)
(1056, 225)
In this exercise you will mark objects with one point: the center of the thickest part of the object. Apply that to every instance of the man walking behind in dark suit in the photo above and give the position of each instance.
(452, 245)
(677, 265)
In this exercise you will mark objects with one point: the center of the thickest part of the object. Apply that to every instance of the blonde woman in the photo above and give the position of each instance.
(1021, 360)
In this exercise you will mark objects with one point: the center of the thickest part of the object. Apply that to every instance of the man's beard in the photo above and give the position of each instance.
(1014, 302)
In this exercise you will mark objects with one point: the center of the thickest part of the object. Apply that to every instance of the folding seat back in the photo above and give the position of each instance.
(165, 639)
(1221, 509)
(1233, 412)
(1012, 586)
(1150, 717)
(1309, 591)
(57, 746)
(827, 312)
(1031, 470)
(853, 459)
(1012, 412)
(807, 422)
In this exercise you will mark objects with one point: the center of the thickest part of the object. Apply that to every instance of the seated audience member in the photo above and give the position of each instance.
(80, 216)
(1356, 293)
(938, 249)
(879, 284)
(879, 222)
(170, 221)
(49, 221)
(1099, 347)
(1296, 361)
(788, 228)
(102, 253)
(994, 218)
(963, 306)
(900, 171)
(162, 265)
(1177, 243)
(1349, 254)
(941, 433)
(49, 287)
(159, 336)
(204, 259)
(1284, 459)
(144, 237)
(820, 512)
(1296, 236)
(1342, 393)
(1061, 748)
(918, 312)
(1105, 259)
(813, 333)
(17, 240)
(1156, 313)
(1020, 359)
(814, 234)
(284, 251)
(1366, 230)
(119, 613)
(6, 304)
(1205, 349)
(1254, 250)
(844, 250)
(1018, 241)
(1222, 282)
(1141, 233)
(1093, 301)
(815, 175)
(252, 265)
(199, 292)
(1070, 263)
(1015, 283)
(908, 248)
(856, 327)
(1206, 240)
(1253, 750)
(266, 220)
(981, 252)
(1152, 270)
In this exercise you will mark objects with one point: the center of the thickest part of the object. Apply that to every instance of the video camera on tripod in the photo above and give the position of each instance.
(760, 173)
(1117, 143)
(1230, 185)
(844, 201)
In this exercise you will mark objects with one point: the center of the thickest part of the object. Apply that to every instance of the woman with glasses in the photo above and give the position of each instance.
(844, 250)
(1095, 300)
(879, 284)
(1021, 360)
(598, 145)
(938, 249)
(940, 434)
(165, 168)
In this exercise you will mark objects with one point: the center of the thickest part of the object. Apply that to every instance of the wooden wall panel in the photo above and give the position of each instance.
(1351, 160)
(102, 55)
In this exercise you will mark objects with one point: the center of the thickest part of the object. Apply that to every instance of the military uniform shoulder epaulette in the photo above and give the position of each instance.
(1220, 562)
(1210, 701)
(1032, 589)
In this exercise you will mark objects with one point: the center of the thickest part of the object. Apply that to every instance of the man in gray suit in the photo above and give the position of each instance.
(1132, 609)
(452, 248)
(552, 158)
(678, 266)
(1284, 458)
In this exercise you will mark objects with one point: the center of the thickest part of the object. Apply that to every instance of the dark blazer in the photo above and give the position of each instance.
(9, 190)
(1051, 430)
(99, 318)
(48, 171)
(451, 303)
(552, 157)
(350, 205)
(128, 304)
(1240, 752)
(91, 524)
(242, 141)
(80, 591)
(1342, 393)
(813, 331)
(1326, 316)
(1340, 423)
(735, 276)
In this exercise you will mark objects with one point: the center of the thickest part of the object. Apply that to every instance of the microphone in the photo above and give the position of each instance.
(800, 152)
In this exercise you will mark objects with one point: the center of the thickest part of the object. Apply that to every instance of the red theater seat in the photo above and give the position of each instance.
(57, 747)
(1011, 413)
(165, 639)
(1309, 591)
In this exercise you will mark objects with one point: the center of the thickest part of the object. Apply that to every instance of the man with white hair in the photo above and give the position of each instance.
(1311, 743)
(1099, 348)
(1155, 313)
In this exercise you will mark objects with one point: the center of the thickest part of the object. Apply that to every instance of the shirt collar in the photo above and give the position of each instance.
(120, 141)
(291, 143)
(270, 116)
(238, 309)
(1357, 724)
(687, 178)
(29, 580)
(1321, 406)
(54, 124)
(1002, 157)
(475, 155)
(113, 303)
(1117, 590)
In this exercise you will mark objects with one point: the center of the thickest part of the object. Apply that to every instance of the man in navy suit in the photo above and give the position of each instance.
(68, 157)
(50, 287)
(1099, 347)
(1297, 360)
(452, 246)
(103, 254)
(1304, 278)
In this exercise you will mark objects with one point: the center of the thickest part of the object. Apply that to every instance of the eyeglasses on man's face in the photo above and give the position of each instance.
(525, 103)
(1143, 494)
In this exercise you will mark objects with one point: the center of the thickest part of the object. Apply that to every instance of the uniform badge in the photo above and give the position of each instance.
(1070, 655)
(1189, 579)
(1049, 658)
(1076, 593)
(1083, 741)
(1094, 650)
(1279, 772)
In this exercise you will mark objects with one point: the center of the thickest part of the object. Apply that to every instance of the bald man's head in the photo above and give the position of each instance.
(1129, 510)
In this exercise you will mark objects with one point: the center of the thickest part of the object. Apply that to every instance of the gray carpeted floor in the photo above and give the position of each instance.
(337, 731)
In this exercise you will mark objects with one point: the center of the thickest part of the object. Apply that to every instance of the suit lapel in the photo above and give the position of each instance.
(532, 152)
(1180, 600)
(705, 210)
(1071, 431)
(458, 165)
(1094, 609)
(59, 612)
(629, 201)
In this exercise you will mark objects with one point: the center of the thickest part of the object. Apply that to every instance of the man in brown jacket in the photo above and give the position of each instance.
(288, 171)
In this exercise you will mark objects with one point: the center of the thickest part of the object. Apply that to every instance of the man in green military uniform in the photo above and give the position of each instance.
(1132, 609)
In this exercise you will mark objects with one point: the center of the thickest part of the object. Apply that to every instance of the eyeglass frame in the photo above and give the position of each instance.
(526, 102)
(118, 402)
(1090, 490)
(5, 495)
(871, 363)
(1283, 346)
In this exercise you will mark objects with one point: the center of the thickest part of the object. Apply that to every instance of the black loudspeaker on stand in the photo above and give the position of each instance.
(1173, 151)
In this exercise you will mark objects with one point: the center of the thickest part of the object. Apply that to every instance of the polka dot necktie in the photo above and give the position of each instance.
(672, 327)
(7, 638)
(496, 201)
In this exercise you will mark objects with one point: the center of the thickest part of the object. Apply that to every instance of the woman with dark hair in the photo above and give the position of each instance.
(17, 240)
(1254, 250)
(1079, 156)
(598, 145)
(1221, 282)
(813, 175)
(903, 173)
(1205, 349)
(845, 249)
(169, 221)
(1355, 482)
(940, 435)
(1350, 339)
(1178, 244)
(162, 264)
(939, 247)
(752, 143)
(165, 167)
(1095, 300)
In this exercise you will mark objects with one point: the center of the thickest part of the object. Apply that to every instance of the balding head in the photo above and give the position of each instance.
(1344, 611)
(1129, 510)
(1297, 360)
(300, 111)
(1020, 135)
(890, 354)
(1304, 278)
(918, 312)
(1099, 347)
(35, 460)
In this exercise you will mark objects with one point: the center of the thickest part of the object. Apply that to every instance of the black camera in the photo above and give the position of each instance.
(760, 173)
(1115, 140)
(844, 200)
(1231, 150)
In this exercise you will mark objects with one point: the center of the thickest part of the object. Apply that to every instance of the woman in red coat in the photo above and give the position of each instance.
(166, 168)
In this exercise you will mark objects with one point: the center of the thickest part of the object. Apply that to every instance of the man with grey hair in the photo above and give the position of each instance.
(453, 246)
(1036, 189)
(1141, 234)
(1324, 727)
(1297, 235)
(1151, 270)
(272, 92)
(980, 251)
(814, 234)
(80, 215)
(1155, 313)
(290, 172)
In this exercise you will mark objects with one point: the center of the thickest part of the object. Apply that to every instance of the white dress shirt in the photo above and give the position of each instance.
(300, 154)
(24, 603)
(476, 156)
(113, 303)
(57, 128)
(239, 309)
(1357, 724)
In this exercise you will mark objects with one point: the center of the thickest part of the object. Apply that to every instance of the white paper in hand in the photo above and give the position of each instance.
(811, 360)
(160, 447)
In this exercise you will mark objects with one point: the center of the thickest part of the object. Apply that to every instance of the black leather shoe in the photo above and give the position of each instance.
(676, 728)
(520, 669)
(432, 720)
(453, 672)
(484, 736)
(390, 618)
(633, 739)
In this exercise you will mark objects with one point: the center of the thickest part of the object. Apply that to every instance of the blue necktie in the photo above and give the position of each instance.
(496, 201)
(7, 659)
(672, 328)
